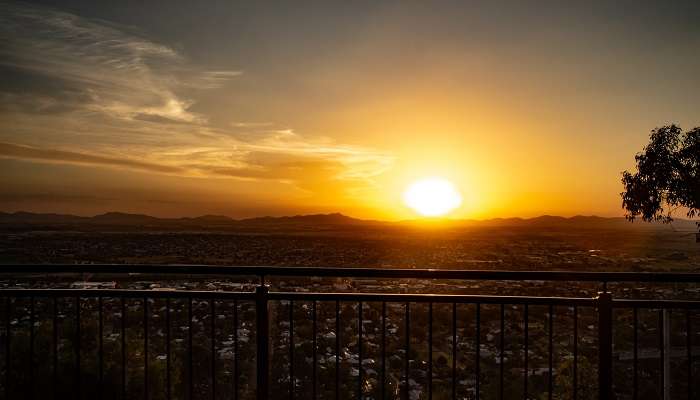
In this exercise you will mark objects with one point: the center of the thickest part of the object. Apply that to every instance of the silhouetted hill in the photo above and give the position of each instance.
(210, 219)
(22, 217)
(554, 221)
(119, 220)
(313, 219)
(582, 222)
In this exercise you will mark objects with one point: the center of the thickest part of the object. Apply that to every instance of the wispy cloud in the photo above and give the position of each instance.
(91, 92)
(251, 124)
(9, 150)
(119, 72)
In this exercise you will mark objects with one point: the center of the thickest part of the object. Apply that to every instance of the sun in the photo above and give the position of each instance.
(432, 197)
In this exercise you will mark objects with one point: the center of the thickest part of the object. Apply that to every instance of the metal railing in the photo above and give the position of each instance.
(36, 338)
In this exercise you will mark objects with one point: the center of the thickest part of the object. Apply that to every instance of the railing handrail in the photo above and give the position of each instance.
(126, 293)
(359, 272)
(304, 296)
(350, 296)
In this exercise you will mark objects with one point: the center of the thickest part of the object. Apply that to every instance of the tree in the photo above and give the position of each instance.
(667, 177)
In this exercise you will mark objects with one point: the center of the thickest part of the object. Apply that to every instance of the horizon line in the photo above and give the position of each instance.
(336, 213)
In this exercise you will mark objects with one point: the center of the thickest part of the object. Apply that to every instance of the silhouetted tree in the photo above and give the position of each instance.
(667, 176)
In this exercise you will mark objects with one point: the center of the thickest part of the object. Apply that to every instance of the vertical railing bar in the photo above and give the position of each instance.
(661, 352)
(454, 351)
(477, 366)
(337, 350)
(235, 349)
(688, 346)
(314, 345)
(551, 352)
(292, 382)
(8, 334)
(167, 349)
(123, 346)
(575, 372)
(359, 351)
(32, 304)
(145, 348)
(100, 349)
(408, 350)
(77, 348)
(430, 351)
(213, 347)
(190, 367)
(526, 329)
(262, 342)
(31, 347)
(501, 346)
(54, 370)
(666, 341)
(635, 334)
(383, 351)
(605, 330)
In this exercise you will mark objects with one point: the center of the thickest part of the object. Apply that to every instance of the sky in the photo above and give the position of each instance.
(181, 108)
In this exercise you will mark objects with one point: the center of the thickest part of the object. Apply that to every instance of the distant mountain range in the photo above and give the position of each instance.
(121, 221)
(124, 220)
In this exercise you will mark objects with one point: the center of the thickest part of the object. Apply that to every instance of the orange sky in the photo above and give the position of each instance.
(248, 109)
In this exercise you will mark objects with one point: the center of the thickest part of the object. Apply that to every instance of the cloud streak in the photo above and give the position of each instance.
(8, 150)
(320, 176)
(120, 73)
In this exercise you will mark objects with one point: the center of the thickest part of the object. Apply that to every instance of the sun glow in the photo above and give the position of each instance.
(432, 197)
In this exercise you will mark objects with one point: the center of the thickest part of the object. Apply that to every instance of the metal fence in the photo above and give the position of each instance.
(126, 343)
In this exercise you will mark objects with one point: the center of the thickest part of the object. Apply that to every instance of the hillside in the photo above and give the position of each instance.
(125, 221)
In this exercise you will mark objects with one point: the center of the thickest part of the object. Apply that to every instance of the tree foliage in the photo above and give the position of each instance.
(667, 176)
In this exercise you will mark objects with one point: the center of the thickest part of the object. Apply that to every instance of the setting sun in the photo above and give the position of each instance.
(432, 197)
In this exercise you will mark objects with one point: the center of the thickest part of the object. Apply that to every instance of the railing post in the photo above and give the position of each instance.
(666, 355)
(262, 340)
(605, 349)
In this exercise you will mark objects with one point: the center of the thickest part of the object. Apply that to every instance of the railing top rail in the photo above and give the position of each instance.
(128, 293)
(434, 298)
(369, 297)
(270, 271)
(303, 296)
